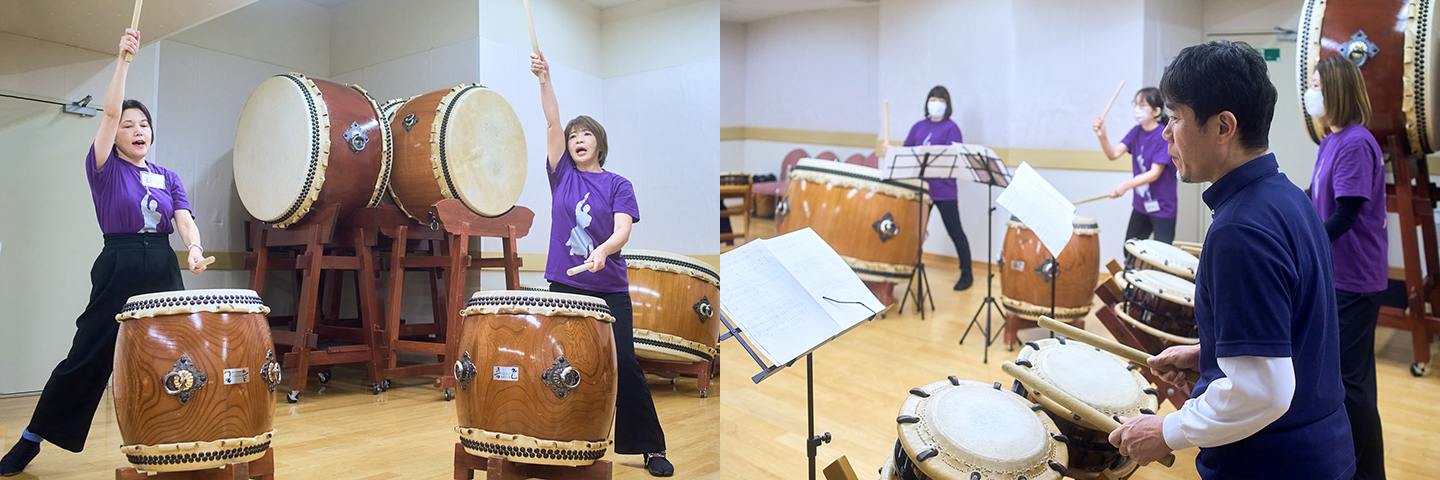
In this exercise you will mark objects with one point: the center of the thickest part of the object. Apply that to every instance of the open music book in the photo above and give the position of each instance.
(790, 294)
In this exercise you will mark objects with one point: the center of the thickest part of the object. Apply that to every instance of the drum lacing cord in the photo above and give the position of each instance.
(1148, 314)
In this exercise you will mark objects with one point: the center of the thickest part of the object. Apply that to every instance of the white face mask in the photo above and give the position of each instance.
(936, 109)
(1141, 114)
(1314, 103)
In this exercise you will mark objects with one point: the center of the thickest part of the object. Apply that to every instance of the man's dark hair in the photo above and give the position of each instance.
(1221, 76)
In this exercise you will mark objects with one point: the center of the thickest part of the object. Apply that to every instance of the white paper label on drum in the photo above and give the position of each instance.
(152, 180)
(507, 374)
(237, 375)
(1017, 265)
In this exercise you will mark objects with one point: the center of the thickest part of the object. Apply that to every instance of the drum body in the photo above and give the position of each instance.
(958, 429)
(874, 224)
(1162, 305)
(1025, 281)
(675, 298)
(304, 142)
(463, 143)
(537, 377)
(195, 376)
(1145, 254)
(1101, 380)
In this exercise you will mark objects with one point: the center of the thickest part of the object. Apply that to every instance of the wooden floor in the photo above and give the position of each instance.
(862, 378)
(341, 431)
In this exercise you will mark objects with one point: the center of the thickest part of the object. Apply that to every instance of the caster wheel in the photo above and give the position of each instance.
(449, 394)
(385, 386)
(672, 382)
(375, 388)
(293, 396)
(703, 394)
(1418, 369)
(325, 376)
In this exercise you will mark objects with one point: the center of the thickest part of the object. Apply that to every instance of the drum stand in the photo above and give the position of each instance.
(262, 468)
(701, 370)
(500, 468)
(1111, 297)
(1413, 197)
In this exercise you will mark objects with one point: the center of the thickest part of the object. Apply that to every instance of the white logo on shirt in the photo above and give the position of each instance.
(150, 209)
(580, 242)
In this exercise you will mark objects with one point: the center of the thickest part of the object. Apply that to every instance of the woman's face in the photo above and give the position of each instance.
(1143, 110)
(1315, 81)
(935, 106)
(133, 137)
(582, 147)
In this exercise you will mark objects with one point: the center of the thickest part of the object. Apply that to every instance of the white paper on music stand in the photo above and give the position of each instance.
(903, 162)
(1042, 208)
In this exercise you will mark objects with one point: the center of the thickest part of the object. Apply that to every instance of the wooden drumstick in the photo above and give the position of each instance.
(135, 25)
(885, 124)
(1112, 99)
(579, 268)
(204, 263)
(1088, 200)
(1081, 409)
(534, 45)
(1119, 349)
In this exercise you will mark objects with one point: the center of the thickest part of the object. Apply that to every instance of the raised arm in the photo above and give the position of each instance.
(554, 131)
(1112, 152)
(114, 97)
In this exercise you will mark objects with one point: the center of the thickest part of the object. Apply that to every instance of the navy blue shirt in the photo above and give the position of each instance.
(1265, 288)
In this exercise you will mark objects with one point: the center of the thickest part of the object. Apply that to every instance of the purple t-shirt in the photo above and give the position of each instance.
(944, 132)
(1158, 198)
(131, 199)
(582, 216)
(1350, 165)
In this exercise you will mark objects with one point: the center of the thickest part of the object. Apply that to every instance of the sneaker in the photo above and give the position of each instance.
(966, 280)
(20, 456)
(658, 465)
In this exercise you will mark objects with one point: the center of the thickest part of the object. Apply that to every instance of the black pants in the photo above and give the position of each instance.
(1142, 225)
(1358, 314)
(131, 264)
(637, 426)
(950, 214)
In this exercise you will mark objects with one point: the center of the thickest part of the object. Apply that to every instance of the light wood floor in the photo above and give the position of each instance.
(862, 378)
(340, 431)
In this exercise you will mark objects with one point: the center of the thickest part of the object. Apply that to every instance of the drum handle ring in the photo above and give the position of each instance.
(271, 370)
(183, 380)
(703, 309)
(561, 377)
(464, 370)
(886, 227)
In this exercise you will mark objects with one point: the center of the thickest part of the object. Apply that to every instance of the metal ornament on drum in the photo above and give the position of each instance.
(463, 143)
(675, 299)
(1101, 380)
(195, 376)
(873, 223)
(1025, 273)
(537, 377)
(304, 142)
(1146, 254)
(964, 430)
(1162, 305)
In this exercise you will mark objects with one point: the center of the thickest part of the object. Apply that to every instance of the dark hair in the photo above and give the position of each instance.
(1223, 76)
(584, 122)
(940, 92)
(1152, 97)
(135, 104)
(1343, 87)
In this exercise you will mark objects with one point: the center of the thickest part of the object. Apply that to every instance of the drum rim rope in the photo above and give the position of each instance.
(1308, 56)
(674, 342)
(638, 258)
(527, 449)
(515, 302)
(387, 149)
(901, 188)
(1414, 81)
(319, 152)
(182, 302)
(188, 456)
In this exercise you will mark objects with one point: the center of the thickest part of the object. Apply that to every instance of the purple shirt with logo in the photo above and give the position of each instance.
(944, 132)
(582, 216)
(1158, 198)
(131, 199)
(1350, 165)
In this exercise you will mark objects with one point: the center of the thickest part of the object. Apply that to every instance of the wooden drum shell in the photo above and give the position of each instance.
(412, 178)
(464, 143)
(845, 217)
(664, 303)
(1329, 24)
(1079, 265)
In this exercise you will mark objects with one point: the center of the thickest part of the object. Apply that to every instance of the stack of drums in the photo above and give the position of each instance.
(1026, 272)
(195, 376)
(537, 377)
(874, 224)
(1101, 380)
(463, 143)
(1161, 305)
(675, 298)
(959, 429)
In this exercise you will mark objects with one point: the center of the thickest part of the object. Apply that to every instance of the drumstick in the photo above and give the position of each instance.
(1088, 200)
(579, 268)
(1112, 99)
(135, 25)
(1081, 409)
(204, 263)
(885, 122)
(1119, 349)
(534, 45)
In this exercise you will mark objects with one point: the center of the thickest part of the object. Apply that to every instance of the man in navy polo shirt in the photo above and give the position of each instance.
(1269, 403)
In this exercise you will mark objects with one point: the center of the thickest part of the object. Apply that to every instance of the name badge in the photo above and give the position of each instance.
(1152, 206)
(152, 180)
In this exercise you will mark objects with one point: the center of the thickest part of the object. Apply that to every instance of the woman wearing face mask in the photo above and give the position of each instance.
(590, 217)
(1348, 190)
(138, 204)
(1154, 183)
(937, 129)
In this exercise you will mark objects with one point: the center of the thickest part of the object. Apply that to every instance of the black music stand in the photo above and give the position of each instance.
(985, 167)
(922, 162)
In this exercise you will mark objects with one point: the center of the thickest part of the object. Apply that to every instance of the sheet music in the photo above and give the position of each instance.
(1042, 208)
(771, 307)
(823, 273)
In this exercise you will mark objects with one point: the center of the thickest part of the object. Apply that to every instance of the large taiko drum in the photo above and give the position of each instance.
(195, 376)
(1025, 272)
(463, 143)
(1101, 380)
(1395, 42)
(537, 377)
(305, 142)
(963, 430)
(873, 223)
(674, 299)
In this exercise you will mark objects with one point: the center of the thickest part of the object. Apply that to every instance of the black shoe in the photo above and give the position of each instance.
(658, 465)
(966, 280)
(20, 455)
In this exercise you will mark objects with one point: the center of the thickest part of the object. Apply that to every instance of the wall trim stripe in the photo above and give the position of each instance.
(532, 262)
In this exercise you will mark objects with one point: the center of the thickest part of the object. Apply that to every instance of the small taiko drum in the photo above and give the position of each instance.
(537, 377)
(1161, 305)
(875, 224)
(674, 299)
(304, 142)
(963, 430)
(463, 143)
(195, 376)
(1101, 380)
(1146, 254)
(1027, 269)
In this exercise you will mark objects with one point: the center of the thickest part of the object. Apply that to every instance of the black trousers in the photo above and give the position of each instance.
(950, 214)
(637, 426)
(131, 264)
(1358, 315)
(1142, 225)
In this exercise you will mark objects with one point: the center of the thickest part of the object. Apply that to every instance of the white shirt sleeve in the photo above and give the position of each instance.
(1254, 392)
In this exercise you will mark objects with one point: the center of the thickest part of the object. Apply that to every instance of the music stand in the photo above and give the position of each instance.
(921, 162)
(985, 167)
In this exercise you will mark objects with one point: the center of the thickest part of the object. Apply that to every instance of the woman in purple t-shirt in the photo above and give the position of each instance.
(937, 129)
(1155, 202)
(590, 217)
(1348, 190)
(138, 204)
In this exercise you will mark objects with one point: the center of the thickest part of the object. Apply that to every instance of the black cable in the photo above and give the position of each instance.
(867, 307)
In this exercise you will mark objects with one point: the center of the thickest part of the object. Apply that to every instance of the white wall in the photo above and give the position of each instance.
(732, 74)
(568, 31)
(291, 33)
(369, 32)
(813, 71)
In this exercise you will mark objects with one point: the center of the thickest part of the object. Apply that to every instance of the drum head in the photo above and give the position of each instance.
(965, 427)
(520, 302)
(1164, 256)
(670, 262)
(1162, 284)
(482, 150)
(222, 300)
(281, 149)
(1096, 377)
